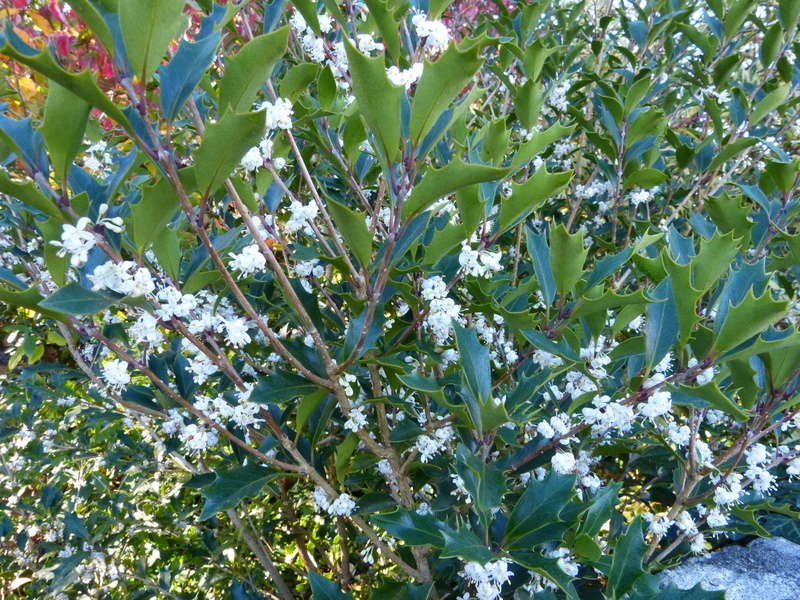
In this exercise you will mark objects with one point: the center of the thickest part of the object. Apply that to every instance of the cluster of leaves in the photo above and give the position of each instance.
(453, 333)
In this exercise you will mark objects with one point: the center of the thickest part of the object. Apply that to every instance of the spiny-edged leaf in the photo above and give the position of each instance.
(626, 562)
(649, 123)
(231, 487)
(711, 393)
(527, 197)
(464, 544)
(567, 256)
(684, 295)
(29, 194)
(378, 99)
(770, 102)
(65, 118)
(747, 319)
(73, 299)
(83, 84)
(548, 568)
(477, 367)
(441, 81)
(248, 69)
(180, 76)
(539, 142)
(730, 151)
(769, 341)
(539, 252)
(281, 386)
(661, 330)
(601, 508)
(540, 505)
(381, 11)
(714, 259)
(224, 144)
(606, 266)
(353, 227)
(325, 589)
(485, 482)
(148, 26)
(414, 529)
(151, 215)
(441, 182)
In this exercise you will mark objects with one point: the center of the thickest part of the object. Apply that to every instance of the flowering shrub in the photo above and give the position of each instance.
(398, 300)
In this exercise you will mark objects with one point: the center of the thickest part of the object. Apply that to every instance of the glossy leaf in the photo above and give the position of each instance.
(353, 227)
(181, 75)
(527, 197)
(73, 299)
(65, 118)
(231, 487)
(147, 27)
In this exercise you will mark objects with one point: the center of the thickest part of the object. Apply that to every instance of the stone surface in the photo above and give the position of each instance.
(766, 569)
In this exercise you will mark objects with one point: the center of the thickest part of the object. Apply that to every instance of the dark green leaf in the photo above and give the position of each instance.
(73, 299)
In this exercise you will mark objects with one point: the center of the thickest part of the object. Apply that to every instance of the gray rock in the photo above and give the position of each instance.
(766, 569)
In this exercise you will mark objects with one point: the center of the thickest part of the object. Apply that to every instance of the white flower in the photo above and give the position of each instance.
(407, 77)
(115, 372)
(563, 462)
(343, 506)
(278, 114)
(302, 215)
(659, 403)
(357, 419)
(434, 32)
(76, 241)
(198, 438)
(236, 332)
(297, 22)
(145, 330)
(249, 260)
(252, 160)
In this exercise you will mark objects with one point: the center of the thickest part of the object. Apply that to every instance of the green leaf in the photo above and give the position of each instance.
(178, 78)
(527, 197)
(151, 215)
(770, 102)
(224, 144)
(29, 298)
(661, 330)
(736, 15)
(231, 487)
(65, 118)
(343, 453)
(770, 44)
(601, 508)
(486, 483)
(475, 360)
(148, 26)
(567, 256)
(645, 178)
(441, 182)
(747, 319)
(378, 99)
(83, 84)
(635, 93)
(92, 17)
(248, 69)
(73, 299)
(325, 589)
(56, 265)
(730, 151)
(280, 387)
(30, 195)
(713, 259)
(711, 393)
(353, 227)
(414, 529)
(388, 27)
(649, 123)
(464, 544)
(441, 81)
(167, 248)
(626, 562)
(540, 505)
(539, 252)
(539, 142)
(548, 568)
